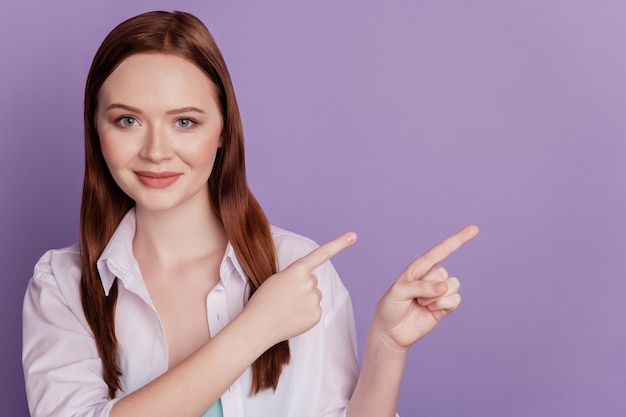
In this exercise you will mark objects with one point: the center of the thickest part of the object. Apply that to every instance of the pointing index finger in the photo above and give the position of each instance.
(442, 250)
(325, 252)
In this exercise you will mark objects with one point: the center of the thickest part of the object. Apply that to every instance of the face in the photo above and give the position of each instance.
(160, 126)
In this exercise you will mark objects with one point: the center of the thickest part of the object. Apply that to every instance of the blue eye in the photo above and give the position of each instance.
(185, 123)
(127, 121)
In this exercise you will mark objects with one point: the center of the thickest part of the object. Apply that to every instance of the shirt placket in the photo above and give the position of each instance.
(218, 318)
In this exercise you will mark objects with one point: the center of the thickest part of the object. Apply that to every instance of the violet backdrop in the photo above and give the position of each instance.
(403, 121)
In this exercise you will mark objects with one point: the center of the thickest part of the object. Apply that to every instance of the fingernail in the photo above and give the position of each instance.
(351, 238)
(439, 287)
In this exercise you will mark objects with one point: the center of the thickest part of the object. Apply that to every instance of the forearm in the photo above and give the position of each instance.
(195, 384)
(378, 387)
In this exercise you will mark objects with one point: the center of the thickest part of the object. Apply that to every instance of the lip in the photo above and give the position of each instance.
(157, 179)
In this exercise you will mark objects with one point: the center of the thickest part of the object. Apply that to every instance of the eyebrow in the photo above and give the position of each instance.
(173, 111)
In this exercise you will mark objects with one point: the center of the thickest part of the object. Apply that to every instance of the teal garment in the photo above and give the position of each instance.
(215, 410)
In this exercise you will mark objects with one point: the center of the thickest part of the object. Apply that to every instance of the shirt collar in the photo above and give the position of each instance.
(117, 259)
(230, 266)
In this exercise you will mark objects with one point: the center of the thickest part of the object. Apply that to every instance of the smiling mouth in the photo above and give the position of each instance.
(157, 179)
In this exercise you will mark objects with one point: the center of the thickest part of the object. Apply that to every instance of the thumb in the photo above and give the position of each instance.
(407, 290)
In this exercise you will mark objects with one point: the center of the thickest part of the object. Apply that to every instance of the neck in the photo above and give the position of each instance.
(185, 233)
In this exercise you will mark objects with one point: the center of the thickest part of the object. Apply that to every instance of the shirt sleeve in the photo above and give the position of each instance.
(62, 368)
(340, 366)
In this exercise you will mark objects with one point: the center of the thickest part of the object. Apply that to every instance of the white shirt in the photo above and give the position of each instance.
(63, 372)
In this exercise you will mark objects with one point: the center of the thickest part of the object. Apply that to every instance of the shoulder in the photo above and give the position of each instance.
(59, 266)
(62, 369)
(290, 246)
(55, 283)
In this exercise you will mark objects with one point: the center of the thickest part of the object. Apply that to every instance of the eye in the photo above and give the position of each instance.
(127, 121)
(185, 123)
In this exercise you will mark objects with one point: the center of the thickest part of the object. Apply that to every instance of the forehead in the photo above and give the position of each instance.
(153, 78)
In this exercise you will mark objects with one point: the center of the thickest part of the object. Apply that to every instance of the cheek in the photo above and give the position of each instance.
(204, 156)
(110, 153)
(116, 149)
(115, 160)
(116, 154)
(201, 154)
(105, 143)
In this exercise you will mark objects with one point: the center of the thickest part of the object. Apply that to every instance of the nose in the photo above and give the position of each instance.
(156, 146)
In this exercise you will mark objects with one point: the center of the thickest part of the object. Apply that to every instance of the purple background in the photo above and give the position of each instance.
(402, 121)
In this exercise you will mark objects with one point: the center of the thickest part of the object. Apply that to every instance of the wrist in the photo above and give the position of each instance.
(256, 333)
(380, 344)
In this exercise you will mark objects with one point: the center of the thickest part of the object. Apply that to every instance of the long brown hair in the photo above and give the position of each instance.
(104, 203)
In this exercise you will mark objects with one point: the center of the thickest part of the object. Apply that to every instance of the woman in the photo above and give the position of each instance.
(171, 238)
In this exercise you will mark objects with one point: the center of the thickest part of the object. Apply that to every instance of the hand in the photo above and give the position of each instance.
(422, 295)
(288, 302)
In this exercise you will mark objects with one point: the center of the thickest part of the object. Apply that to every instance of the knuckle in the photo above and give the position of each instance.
(442, 271)
(454, 283)
(314, 279)
(299, 265)
(317, 316)
(310, 283)
(299, 268)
